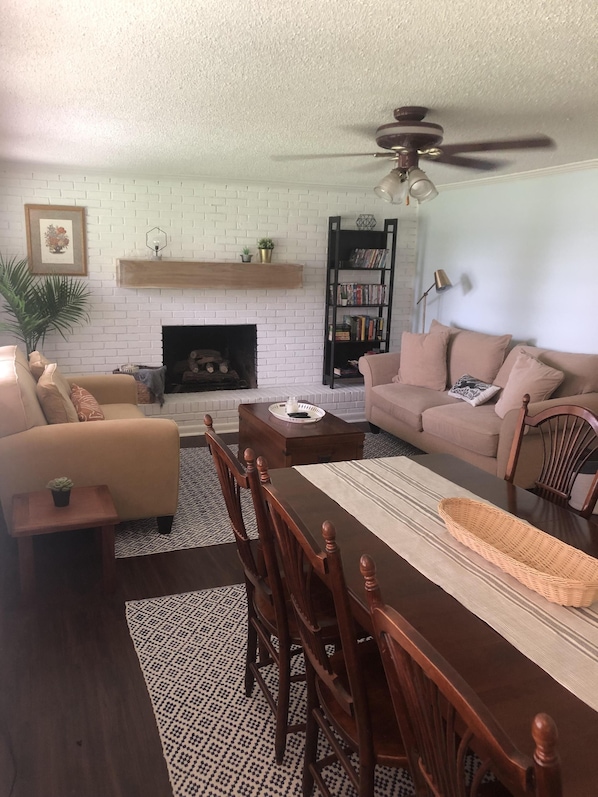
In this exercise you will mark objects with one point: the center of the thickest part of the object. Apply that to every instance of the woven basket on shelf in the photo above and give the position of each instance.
(559, 572)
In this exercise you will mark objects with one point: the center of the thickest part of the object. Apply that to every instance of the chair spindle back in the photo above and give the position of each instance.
(569, 437)
(443, 721)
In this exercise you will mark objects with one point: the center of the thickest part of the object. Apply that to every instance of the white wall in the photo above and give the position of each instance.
(523, 257)
(206, 221)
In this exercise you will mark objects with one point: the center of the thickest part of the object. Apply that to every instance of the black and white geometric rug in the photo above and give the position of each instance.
(216, 741)
(201, 517)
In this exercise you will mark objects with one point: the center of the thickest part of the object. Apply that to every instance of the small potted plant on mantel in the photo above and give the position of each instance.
(61, 490)
(265, 245)
(246, 255)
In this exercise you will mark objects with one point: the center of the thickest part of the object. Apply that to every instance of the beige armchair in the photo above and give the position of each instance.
(137, 457)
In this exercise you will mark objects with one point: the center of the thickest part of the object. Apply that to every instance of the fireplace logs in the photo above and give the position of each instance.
(207, 360)
(206, 369)
(211, 357)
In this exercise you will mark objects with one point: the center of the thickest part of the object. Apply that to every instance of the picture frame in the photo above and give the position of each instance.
(56, 240)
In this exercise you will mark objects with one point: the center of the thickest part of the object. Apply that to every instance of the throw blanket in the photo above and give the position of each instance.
(397, 500)
(154, 379)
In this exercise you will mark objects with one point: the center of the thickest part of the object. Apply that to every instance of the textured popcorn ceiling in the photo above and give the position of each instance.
(216, 88)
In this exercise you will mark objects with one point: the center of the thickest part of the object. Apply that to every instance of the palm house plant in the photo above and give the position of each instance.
(37, 305)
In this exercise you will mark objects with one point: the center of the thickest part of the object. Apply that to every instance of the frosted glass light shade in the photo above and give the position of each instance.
(393, 187)
(420, 186)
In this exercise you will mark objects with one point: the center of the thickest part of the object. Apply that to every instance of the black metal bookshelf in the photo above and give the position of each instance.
(358, 308)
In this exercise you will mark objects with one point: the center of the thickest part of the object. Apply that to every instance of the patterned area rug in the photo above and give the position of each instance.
(201, 517)
(216, 741)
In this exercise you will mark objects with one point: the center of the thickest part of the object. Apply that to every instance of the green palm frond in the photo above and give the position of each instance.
(38, 305)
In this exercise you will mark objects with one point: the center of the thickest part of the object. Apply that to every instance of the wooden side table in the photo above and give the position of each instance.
(35, 513)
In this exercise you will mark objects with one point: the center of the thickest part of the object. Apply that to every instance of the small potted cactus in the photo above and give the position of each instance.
(246, 255)
(265, 245)
(61, 490)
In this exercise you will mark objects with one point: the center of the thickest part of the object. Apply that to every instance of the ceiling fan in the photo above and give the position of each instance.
(409, 138)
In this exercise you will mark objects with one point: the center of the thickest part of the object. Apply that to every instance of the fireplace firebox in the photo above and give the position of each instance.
(212, 357)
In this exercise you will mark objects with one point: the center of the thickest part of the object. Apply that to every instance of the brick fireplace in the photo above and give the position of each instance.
(210, 357)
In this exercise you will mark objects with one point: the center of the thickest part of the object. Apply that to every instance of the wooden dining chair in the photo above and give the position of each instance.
(569, 438)
(444, 723)
(269, 632)
(347, 696)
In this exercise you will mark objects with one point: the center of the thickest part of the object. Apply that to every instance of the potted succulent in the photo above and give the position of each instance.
(246, 255)
(61, 490)
(265, 245)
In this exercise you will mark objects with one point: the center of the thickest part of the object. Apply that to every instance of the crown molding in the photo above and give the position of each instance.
(567, 168)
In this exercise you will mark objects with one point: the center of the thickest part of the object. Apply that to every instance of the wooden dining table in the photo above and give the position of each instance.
(512, 685)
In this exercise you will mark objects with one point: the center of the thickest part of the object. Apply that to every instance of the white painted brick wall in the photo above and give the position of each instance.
(204, 220)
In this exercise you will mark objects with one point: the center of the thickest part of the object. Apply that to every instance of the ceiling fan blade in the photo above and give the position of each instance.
(330, 155)
(467, 163)
(532, 142)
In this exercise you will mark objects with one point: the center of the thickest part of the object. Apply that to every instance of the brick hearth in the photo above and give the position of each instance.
(188, 409)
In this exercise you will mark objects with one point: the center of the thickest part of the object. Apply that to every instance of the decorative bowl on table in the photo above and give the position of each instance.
(557, 571)
(312, 413)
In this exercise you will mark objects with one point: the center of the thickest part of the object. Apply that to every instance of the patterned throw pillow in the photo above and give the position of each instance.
(471, 390)
(87, 407)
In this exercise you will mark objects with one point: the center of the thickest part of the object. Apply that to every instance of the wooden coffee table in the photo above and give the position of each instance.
(284, 443)
(35, 513)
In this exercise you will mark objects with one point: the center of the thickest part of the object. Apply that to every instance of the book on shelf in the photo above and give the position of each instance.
(368, 258)
(358, 293)
(364, 327)
(350, 369)
(339, 332)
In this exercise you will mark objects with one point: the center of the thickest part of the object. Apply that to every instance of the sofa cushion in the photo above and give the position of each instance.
(474, 353)
(19, 406)
(502, 377)
(406, 403)
(528, 375)
(473, 391)
(54, 394)
(121, 412)
(423, 360)
(474, 428)
(581, 372)
(37, 364)
(86, 407)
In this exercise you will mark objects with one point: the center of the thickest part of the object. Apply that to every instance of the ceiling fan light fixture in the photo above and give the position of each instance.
(393, 187)
(420, 185)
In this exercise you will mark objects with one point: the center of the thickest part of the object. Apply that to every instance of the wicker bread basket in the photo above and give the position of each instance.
(559, 572)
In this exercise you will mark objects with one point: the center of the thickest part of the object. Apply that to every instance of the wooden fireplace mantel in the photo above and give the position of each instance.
(195, 274)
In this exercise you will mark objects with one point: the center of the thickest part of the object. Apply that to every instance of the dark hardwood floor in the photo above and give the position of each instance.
(75, 716)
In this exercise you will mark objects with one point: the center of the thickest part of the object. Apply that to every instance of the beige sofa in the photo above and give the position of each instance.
(137, 457)
(437, 423)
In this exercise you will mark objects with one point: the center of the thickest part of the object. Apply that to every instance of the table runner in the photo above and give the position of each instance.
(397, 500)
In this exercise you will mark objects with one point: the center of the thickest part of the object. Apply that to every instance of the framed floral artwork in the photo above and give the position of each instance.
(56, 239)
